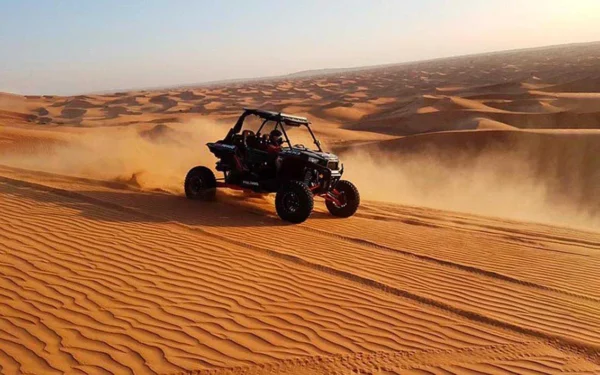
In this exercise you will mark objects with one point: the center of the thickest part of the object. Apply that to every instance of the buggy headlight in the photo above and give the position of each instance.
(313, 160)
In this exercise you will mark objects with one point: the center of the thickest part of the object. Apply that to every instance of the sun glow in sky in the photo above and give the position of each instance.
(72, 46)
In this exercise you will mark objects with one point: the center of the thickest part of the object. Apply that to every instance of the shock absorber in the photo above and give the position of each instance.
(308, 177)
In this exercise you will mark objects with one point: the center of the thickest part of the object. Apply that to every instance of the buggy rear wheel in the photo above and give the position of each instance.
(294, 202)
(200, 184)
(349, 199)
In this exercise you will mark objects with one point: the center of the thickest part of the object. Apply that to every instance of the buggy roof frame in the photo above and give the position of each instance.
(278, 117)
(285, 118)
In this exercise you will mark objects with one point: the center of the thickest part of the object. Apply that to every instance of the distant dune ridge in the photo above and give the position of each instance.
(476, 248)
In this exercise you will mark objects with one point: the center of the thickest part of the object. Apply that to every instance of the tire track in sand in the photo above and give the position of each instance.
(518, 358)
(447, 263)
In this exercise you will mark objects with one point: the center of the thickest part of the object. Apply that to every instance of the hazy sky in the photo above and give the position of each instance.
(78, 46)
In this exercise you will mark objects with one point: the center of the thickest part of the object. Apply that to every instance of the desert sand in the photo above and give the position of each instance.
(476, 248)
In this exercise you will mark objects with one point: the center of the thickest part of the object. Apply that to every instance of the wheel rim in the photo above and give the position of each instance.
(196, 185)
(291, 202)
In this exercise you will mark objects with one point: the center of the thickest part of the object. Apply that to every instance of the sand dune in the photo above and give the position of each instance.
(588, 84)
(176, 278)
(476, 248)
(482, 123)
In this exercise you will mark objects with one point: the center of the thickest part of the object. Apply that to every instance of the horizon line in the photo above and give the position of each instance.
(305, 73)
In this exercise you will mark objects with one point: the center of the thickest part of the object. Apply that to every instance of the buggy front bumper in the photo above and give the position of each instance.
(328, 180)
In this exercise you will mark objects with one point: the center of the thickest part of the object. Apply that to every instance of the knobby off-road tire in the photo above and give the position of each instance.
(294, 202)
(349, 197)
(200, 184)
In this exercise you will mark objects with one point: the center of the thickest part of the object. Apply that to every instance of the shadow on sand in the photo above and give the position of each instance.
(227, 210)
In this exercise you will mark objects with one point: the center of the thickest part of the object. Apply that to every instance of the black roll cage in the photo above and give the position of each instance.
(280, 120)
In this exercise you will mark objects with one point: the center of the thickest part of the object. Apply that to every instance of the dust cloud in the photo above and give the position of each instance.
(156, 158)
(499, 184)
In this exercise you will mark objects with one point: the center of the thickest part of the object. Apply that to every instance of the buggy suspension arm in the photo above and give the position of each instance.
(332, 196)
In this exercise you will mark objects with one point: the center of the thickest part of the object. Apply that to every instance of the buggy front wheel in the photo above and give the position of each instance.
(348, 197)
(294, 202)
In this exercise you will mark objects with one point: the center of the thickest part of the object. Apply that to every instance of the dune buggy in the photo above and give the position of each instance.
(295, 173)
